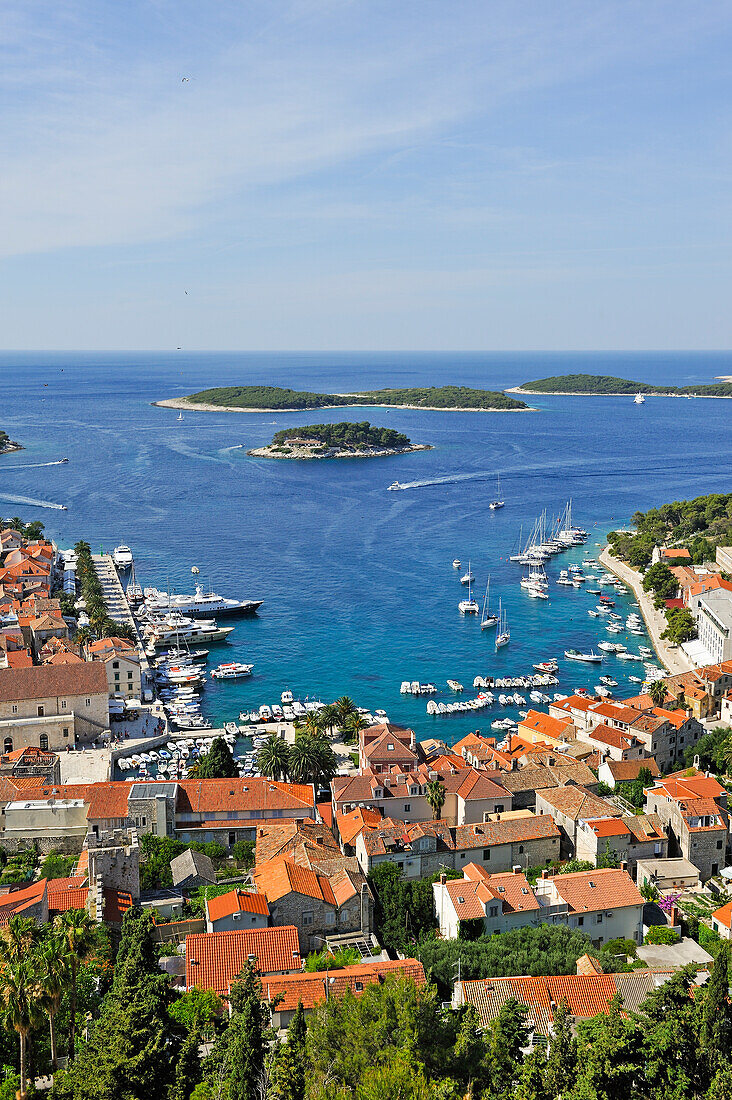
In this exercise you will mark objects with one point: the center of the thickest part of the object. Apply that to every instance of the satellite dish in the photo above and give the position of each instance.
(195, 569)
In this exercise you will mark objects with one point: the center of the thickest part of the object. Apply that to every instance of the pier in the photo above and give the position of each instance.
(675, 660)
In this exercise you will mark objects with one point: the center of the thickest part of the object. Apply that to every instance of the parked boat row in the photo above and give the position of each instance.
(413, 687)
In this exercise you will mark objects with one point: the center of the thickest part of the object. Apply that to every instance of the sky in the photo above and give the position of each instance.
(365, 174)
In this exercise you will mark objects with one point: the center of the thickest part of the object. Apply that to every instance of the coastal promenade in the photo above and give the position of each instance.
(675, 660)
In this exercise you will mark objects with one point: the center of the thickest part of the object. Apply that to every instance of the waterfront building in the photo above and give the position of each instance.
(713, 615)
(122, 663)
(470, 794)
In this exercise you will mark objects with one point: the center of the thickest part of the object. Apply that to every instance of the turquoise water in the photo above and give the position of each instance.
(358, 588)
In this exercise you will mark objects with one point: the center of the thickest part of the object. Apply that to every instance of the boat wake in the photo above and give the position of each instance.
(447, 480)
(34, 503)
(32, 465)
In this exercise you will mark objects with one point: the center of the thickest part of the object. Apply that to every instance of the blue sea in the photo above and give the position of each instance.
(358, 587)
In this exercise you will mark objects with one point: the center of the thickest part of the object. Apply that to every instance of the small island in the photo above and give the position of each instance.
(7, 444)
(344, 440)
(601, 385)
(279, 399)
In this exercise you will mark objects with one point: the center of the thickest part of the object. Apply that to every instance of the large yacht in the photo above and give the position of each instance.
(175, 628)
(122, 557)
(200, 603)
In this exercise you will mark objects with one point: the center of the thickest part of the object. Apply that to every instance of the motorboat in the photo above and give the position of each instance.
(286, 697)
(639, 399)
(602, 691)
(122, 557)
(234, 670)
(176, 628)
(394, 487)
(198, 604)
(578, 655)
(456, 563)
(547, 666)
(455, 685)
(608, 681)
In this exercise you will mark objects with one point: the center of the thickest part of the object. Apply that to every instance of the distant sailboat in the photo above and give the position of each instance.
(639, 399)
(503, 637)
(469, 606)
(180, 415)
(487, 620)
(497, 503)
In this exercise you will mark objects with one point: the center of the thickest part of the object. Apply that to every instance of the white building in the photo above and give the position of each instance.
(713, 616)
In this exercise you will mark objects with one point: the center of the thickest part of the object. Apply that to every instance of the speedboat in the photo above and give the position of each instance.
(394, 486)
(577, 655)
(234, 670)
(456, 563)
(639, 399)
(122, 557)
(547, 666)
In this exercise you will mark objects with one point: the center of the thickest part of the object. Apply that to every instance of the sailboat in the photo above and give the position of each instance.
(469, 606)
(497, 503)
(639, 399)
(503, 637)
(180, 415)
(487, 620)
(468, 577)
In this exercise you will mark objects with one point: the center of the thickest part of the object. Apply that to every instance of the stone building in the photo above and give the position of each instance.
(695, 810)
(53, 707)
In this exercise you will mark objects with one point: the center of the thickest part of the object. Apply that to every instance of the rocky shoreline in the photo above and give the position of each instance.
(575, 393)
(9, 446)
(315, 452)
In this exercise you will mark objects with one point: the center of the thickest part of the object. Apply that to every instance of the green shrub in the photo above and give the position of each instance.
(661, 934)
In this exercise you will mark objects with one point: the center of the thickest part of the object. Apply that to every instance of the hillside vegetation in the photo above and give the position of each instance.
(699, 525)
(276, 397)
(346, 435)
(606, 383)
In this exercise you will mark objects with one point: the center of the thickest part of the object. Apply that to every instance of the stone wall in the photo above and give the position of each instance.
(114, 858)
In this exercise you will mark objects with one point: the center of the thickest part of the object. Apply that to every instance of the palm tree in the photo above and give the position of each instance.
(273, 758)
(20, 989)
(303, 759)
(354, 724)
(55, 980)
(344, 706)
(20, 1001)
(79, 931)
(311, 723)
(435, 795)
(328, 717)
(657, 692)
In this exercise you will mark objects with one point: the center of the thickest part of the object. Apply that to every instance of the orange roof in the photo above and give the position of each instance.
(213, 959)
(19, 658)
(17, 901)
(353, 823)
(724, 915)
(586, 995)
(611, 826)
(545, 724)
(310, 989)
(279, 877)
(695, 786)
(608, 888)
(210, 796)
(237, 901)
(675, 552)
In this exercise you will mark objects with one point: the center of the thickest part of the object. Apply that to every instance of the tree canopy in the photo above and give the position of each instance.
(277, 397)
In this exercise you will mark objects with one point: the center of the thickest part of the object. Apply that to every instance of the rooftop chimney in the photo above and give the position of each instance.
(517, 868)
(443, 879)
(623, 865)
(545, 872)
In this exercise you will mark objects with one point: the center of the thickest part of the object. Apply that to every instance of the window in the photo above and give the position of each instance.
(87, 702)
(580, 921)
(599, 918)
(116, 677)
(8, 744)
(330, 917)
(41, 712)
(43, 741)
(719, 844)
(232, 839)
(521, 849)
(66, 731)
(345, 916)
(129, 675)
(115, 664)
(407, 807)
(493, 911)
(14, 708)
(63, 704)
(499, 808)
(486, 853)
(307, 917)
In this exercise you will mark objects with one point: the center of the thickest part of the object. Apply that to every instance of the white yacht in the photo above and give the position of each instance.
(576, 655)
(497, 503)
(469, 606)
(639, 399)
(200, 603)
(394, 487)
(122, 557)
(487, 620)
(469, 577)
(456, 563)
(177, 628)
(233, 670)
(503, 637)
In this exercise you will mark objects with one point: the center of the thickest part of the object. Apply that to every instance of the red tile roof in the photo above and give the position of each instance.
(212, 796)
(310, 989)
(279, 877)
(18, 901)
(47, 681)
(589, 891)
(724, 915)
(213, 959)
(237, 901)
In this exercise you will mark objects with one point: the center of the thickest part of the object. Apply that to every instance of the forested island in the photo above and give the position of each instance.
(343, 440)
(698, 525)
(279, 399)
(7, 444)
(577, 385)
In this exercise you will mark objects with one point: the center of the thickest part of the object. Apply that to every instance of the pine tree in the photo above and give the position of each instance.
(188, 1070)
(218, 762)
(715, 1031)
